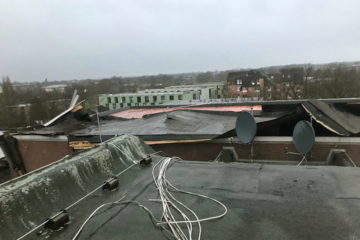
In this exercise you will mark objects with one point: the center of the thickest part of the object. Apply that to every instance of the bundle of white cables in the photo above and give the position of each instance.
(171, 207)
(171, 204)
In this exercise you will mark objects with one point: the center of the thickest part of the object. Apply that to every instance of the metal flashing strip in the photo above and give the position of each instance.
(176, 141)
(271, 139)
(61, 138)
(342, 140)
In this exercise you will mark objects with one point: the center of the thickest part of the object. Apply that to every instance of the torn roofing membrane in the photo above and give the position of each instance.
(262, 201)
(172, 125)
(199, 124)
(335, 120)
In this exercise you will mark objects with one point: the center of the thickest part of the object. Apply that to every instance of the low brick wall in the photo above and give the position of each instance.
(266, 148)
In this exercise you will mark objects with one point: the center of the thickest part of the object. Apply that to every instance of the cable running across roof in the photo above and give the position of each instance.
(170, 206)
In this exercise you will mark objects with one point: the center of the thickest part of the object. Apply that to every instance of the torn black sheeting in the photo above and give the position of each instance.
(340, 122)
(176, 125)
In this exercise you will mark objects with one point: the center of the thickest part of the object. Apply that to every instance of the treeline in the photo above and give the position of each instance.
(334, 81)
(30, 104)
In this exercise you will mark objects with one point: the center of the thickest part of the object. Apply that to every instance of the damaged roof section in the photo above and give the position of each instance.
(332, 118)
(187, 125)
(162, 126)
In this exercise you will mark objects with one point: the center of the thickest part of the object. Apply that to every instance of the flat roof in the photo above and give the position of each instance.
(258, 201)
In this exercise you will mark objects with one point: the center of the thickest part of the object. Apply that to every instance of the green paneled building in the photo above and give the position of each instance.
(153, 97)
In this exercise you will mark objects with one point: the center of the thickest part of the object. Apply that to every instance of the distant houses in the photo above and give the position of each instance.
(286, 83)
(55, 88)
(246, 84)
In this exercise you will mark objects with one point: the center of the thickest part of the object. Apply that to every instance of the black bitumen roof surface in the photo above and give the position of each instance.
(163, 126)
(263, 201)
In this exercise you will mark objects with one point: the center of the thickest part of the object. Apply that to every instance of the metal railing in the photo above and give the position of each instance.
(215, 100)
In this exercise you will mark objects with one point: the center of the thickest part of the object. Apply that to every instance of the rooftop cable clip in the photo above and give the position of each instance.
(111, 184)
(145, 161)
(58, 220)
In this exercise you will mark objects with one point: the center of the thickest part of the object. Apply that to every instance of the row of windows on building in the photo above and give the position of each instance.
(146, 99)
(240, 82)
(122, 105)
(245, 90)
(162, 91)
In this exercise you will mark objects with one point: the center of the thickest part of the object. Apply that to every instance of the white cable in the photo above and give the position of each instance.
(92, 214)
(161, 183)
(169, 203)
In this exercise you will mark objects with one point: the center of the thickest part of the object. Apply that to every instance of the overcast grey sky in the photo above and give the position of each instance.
(76, 39)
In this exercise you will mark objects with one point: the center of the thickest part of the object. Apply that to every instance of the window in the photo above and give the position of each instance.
(109, 99)
(239, 82)
(180, 97)
(147, 99)
(155, 98)
(123, 99)
(171, 97)
(116, 99)
(162, 98)
(138, 99)
(131, 99)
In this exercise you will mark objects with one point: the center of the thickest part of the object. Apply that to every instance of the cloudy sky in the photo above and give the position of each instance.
(76, 39)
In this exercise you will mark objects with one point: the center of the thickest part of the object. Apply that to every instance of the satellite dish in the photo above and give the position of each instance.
(245, 127)
(303, 136)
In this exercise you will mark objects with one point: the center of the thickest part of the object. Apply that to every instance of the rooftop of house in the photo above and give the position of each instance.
(56, 86)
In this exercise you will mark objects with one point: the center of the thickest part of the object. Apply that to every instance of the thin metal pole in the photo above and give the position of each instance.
(99, 129)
